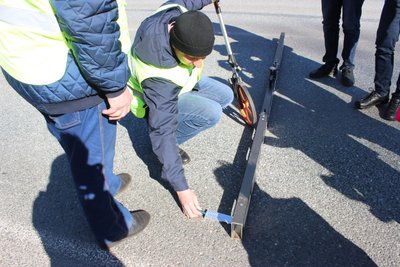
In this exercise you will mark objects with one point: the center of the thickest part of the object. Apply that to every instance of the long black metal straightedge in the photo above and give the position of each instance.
(242, 203)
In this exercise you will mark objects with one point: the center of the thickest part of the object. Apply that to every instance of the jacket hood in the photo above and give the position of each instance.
(152, 43)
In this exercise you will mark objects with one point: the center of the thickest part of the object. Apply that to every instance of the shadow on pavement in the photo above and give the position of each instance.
(253, 55)
(355, 148)
(63, 229)
(307, 117)
(139, 136)
(290, 233)
(287, 232)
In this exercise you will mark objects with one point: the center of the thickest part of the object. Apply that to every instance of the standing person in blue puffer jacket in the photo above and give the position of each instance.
(167, 58)
(69, 60)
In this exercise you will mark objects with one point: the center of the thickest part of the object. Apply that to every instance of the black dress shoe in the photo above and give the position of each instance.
(141, 219)
(184, 156)
(347, 78)
(125, 181)
(392, 109)
(372, 99)
(324, 70)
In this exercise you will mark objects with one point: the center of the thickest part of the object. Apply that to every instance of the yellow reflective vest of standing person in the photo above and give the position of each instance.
(182, 75)
(32, 47)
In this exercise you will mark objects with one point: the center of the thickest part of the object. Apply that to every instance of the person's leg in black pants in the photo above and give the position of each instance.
(331, 10)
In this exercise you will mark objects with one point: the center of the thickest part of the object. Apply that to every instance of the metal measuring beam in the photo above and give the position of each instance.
(242, 203)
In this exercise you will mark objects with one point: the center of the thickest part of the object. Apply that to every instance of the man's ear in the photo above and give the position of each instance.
(171, 25)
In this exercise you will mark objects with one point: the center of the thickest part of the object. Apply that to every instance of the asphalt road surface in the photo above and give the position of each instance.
(327, 182)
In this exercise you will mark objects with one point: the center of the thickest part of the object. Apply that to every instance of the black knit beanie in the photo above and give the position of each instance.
(193, 34)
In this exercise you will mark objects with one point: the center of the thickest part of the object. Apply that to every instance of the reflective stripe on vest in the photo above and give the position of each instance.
(32, 47)
(181, 75)
(33, 19)
(124, 28)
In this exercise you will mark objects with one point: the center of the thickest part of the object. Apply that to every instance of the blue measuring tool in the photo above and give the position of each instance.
(216, 216)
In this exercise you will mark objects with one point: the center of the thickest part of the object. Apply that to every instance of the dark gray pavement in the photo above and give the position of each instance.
(328, 179)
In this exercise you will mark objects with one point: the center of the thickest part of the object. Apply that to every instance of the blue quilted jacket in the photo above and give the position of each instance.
(96, 66)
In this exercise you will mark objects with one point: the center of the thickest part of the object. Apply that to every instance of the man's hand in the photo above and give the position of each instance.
(190, 205)
(119, 105)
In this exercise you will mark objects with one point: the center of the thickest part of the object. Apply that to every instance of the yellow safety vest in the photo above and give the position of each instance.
(181, 75)
(32, 47)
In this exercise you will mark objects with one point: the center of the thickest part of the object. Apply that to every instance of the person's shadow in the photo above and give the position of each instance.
(287, 232)
(63, 229)
(139, 136)
(308, 118)
(340, 138)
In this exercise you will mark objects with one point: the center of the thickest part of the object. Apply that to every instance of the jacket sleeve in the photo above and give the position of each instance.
(92, 33)
(161, 97)
(191, 4)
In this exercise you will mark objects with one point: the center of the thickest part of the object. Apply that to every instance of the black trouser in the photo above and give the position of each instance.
(386, 39)
(351, 12)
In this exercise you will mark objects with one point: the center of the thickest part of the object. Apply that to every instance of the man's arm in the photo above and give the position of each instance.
(92, 33)
(161, 97)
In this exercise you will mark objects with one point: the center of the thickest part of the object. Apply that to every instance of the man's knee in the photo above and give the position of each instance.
(213, 114)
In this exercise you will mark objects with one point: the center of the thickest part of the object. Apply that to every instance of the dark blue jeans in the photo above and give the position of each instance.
(386, 38)
(351, 15)
(88, 139)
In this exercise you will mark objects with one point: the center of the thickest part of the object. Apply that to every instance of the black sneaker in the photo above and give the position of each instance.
(324, 70)
(372, 99)
(392, 109)
(184, 156)
(347, 76)
(141, 220)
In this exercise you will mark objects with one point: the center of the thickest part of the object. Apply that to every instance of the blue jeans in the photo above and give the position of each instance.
(88, 139)
(386, 39)
(351, 12)
(201, 108)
